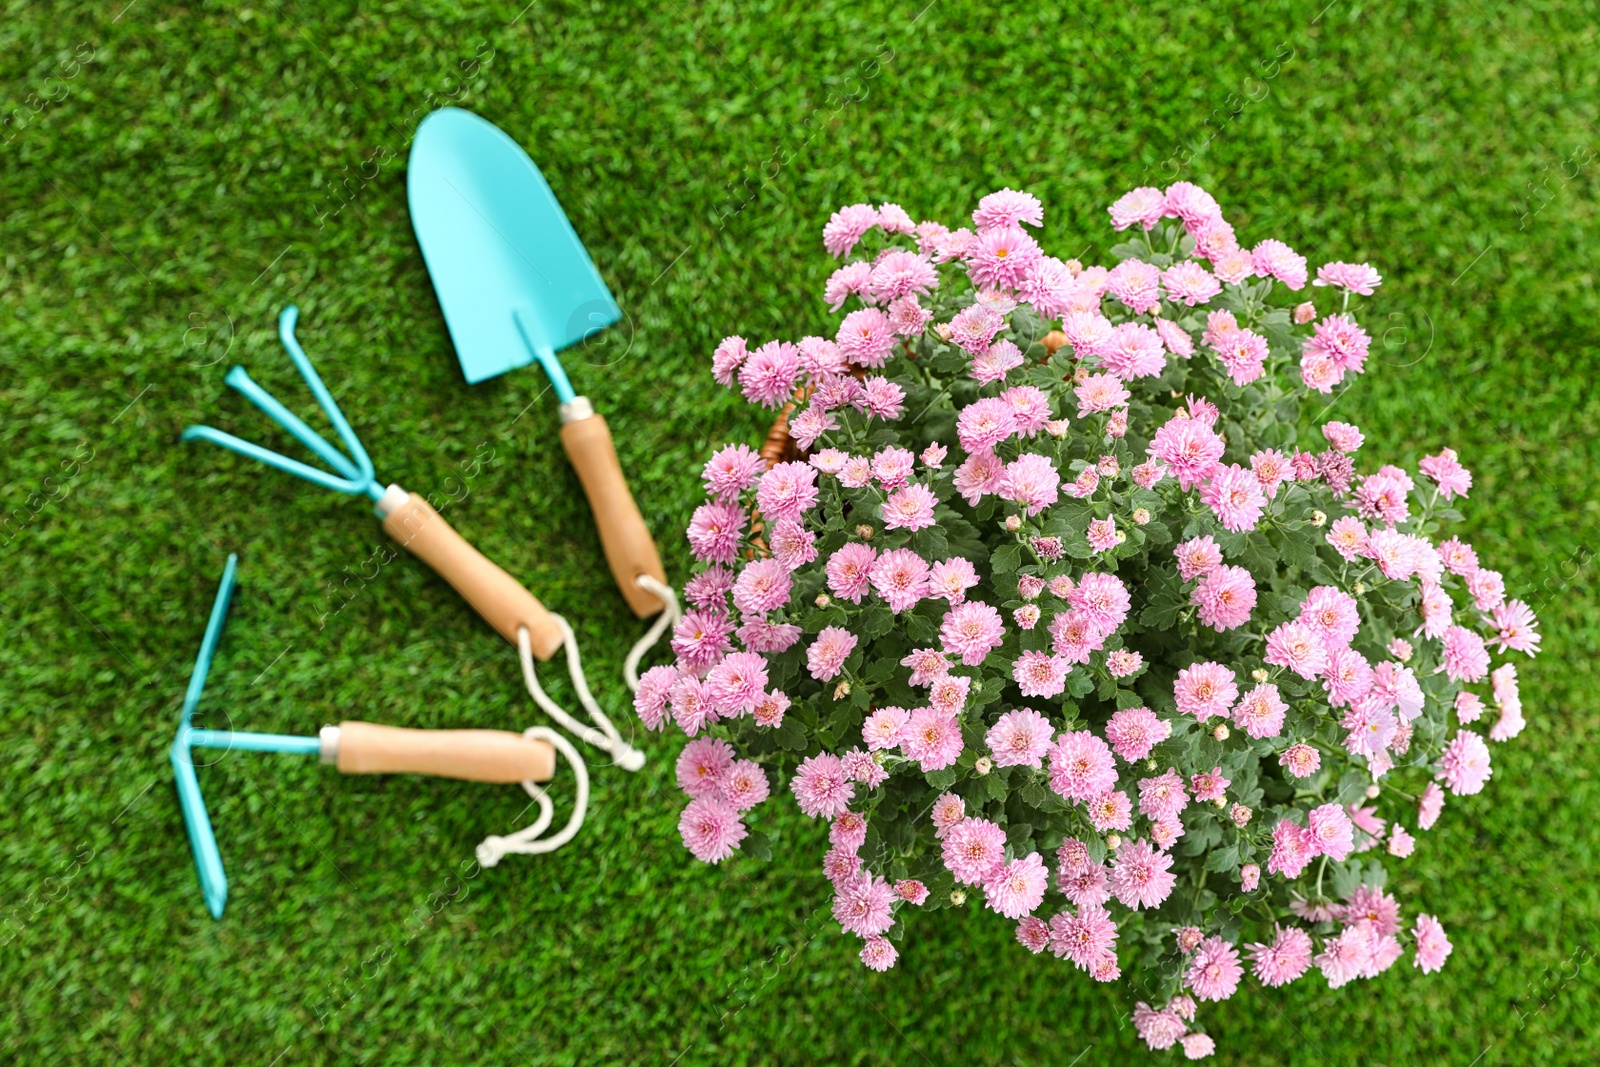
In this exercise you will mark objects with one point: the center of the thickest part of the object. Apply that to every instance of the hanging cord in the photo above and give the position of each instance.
(528, 841)
(669, 616)
(606, 736)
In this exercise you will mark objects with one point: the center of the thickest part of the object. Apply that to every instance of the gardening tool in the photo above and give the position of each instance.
(368, 748)
(502, 601)
(516, 285)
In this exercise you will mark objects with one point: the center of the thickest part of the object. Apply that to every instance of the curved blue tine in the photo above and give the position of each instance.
(286, 323)
(239, 379)
(272, 459)
(202, 839)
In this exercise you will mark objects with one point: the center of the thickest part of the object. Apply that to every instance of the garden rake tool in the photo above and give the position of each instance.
(516, 285)
(515, 613)
(368, 748)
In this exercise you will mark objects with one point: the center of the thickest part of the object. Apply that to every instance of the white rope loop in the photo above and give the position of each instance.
(602, 734)
(669, 617)
(529, 841)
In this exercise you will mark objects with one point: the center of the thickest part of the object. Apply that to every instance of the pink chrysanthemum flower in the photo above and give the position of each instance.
(1102, 598)
(881, 398)
(1085, 937)
(1189, 202)
(1189, 283)
(1464, 765)
(862, 767)
(1330, 832)
(715, 531)
(948, 810)
(926, 665)
(949, 692)
(1338, 340)
(995, 362)
(1271, 469)
(1356, 277)
(864, 905)
(1163, 796)
(1204, 690)
(900, 576)
(979, 475)
(1081, 766)
(1141, 877)
(1124, 663)
(1136, 284)
(1143, 206)
(1001, 257)
(1197, 556)
(700, 638)
(1401, 843)
(1332, 614)
(900, 273)
(1276, 259)
(769, 376)
(973, 848)
(1433, 947)
(852, 279)
(1466, 659)
(825, 658)
(1033, 933)
(1100, 392)
(1102, 534)
(1041, 674)
(650, 699)
(1019, 738)
(1225, 596)
(711, 830)
(1176, 338)
(728, 358)
(701, 767)
(1114, 811)
(866, 338)
(1429, 806)
(1348, 537)
(1291, 850)
(1135, 732)
(1516, 626)
(1030, 481)
(736, 683)
(1259, 712)
(847, 226)
(1008, 207)
(1133, 350)
(847, 570)
(808, 426)
(1249, 877)
(1189, 449)
(932, 737)
(1086, 331)
(1235, 496)
(744, 785)
(985, 423)
(1159, 1029)
(950, 579)
(792, 544)
(911, 891)
(910, 508)
(1214, 971)
(731, 470)
(1015, 889)
(879, 954)
(821, 786)
(971, 630)
(787, 491)
(1209, 785)
(1285, 959)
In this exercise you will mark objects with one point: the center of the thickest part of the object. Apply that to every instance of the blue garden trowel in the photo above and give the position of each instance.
(516, 285)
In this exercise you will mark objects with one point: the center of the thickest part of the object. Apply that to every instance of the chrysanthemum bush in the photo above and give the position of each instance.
(1066, 613)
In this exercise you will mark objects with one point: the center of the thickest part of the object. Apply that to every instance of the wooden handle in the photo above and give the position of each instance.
(628, 546)
(498, 597)
(473, 755)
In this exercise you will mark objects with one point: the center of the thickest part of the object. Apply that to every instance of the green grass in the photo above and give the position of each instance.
(176, 186)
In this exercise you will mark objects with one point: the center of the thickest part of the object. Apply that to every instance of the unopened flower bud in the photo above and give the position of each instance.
(1056, 427)
(1221, 732)
(1358, 588)
(1141, 516)
(1150, 764)
(1220, 802)
(984, 765)
(1113, 842)
(1319, 519)
(823, 600)
(1240, 815)
(1259, 674)
(841, 690)
(943, 330)
(864, 532)
(1074, 268)
(1373, 791)
(1080, 375)
(1013, 523)
(1304, 313)
(1122, 535)
(958, 897)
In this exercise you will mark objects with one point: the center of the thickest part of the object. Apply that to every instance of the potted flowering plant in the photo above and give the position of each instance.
(1050, 599)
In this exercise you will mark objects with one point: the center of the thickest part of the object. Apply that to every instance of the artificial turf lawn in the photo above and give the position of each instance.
(182, 178)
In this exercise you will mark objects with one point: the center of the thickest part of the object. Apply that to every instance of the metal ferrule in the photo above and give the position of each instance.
(328, 745)
(576, 409)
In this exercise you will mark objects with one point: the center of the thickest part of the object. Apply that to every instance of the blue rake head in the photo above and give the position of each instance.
(354, 472)
(202, 839)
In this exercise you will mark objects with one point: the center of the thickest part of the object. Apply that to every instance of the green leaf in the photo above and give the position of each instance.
(757, 845)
